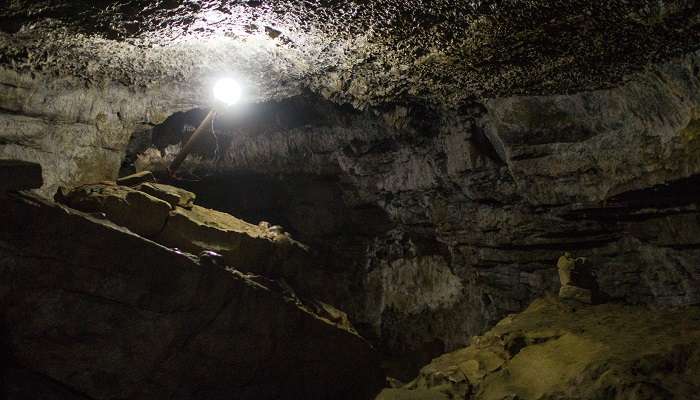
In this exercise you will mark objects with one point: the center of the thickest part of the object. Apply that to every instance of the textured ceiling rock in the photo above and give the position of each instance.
(356, 51)
(90, 310)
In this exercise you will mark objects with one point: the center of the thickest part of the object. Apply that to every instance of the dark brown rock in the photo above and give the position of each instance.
(19, 175)
(91, 310)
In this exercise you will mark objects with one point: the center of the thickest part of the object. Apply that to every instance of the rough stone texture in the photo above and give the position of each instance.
(142, 213)
(482, 202)
(136, 179)
(90, 310)
(355, 51)
(477, 156)
(19, 175)
(176, 197)
(556, 352)
(172, 220)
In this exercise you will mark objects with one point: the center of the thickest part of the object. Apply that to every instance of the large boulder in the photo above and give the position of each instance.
(142, 213)
(553, 351)
(90, 310)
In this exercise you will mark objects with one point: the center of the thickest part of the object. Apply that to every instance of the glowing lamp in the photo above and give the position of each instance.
(227, 91)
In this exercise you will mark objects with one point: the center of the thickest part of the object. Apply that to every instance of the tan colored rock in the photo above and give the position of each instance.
(198, 230)
(575, 293)
(565, 265)
(243, 245)
(171, 194)
(137, 179)
(550, 352)
(141, 213)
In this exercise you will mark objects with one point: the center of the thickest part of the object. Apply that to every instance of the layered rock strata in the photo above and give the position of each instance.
(90, 310)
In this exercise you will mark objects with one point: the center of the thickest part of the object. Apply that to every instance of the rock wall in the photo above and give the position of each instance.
(446, 217)
(556, 351)
(89, 309)
(484, 199)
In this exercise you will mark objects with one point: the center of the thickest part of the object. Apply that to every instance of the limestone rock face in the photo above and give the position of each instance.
(140, 212)
(123, 317)
(137, 179)
(556, 352)
(456, 164)
(174, 196)
(167, 215)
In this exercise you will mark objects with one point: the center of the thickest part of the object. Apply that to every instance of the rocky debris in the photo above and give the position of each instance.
(120, 316)
(137, 179)
(243, 245)
(140, 212)
(557, 352)
(574, 286)
(167, 215)
(19, 175)
(176, 197)
(211, 258)
(575, 293)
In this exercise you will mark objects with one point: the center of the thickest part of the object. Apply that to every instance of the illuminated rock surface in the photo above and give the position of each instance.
(436, 157)
(552, 351)
(177, 223)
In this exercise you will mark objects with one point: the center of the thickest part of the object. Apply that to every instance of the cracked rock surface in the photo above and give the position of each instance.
(90, 310)
(554, 351)
(436, 156)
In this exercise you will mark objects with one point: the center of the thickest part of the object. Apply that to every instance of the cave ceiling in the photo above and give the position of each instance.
(365, 53)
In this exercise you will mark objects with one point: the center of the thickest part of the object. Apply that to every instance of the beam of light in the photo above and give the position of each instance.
(228, 91)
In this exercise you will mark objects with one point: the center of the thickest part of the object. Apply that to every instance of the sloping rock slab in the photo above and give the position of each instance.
(247, 247)
(137, 179)
(244, 246)
(90, 310)
(171, 194)
(140, 212)
(553, 351)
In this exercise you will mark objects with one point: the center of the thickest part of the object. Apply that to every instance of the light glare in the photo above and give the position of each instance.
(227, 91)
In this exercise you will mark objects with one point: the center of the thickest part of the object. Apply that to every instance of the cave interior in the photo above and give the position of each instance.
(402, 200)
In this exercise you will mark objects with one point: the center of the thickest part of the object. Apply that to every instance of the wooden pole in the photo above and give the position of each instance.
(201, 129)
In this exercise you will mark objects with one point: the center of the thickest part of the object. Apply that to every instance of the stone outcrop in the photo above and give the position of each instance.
(553, 351)
(481, 202)
(90, 310)
(142, 213)
(167, 215)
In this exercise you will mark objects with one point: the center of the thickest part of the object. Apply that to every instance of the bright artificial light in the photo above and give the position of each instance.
(227, 91)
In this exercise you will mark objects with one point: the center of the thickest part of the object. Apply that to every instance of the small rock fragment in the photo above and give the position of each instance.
(137, 179)
(176, 197)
